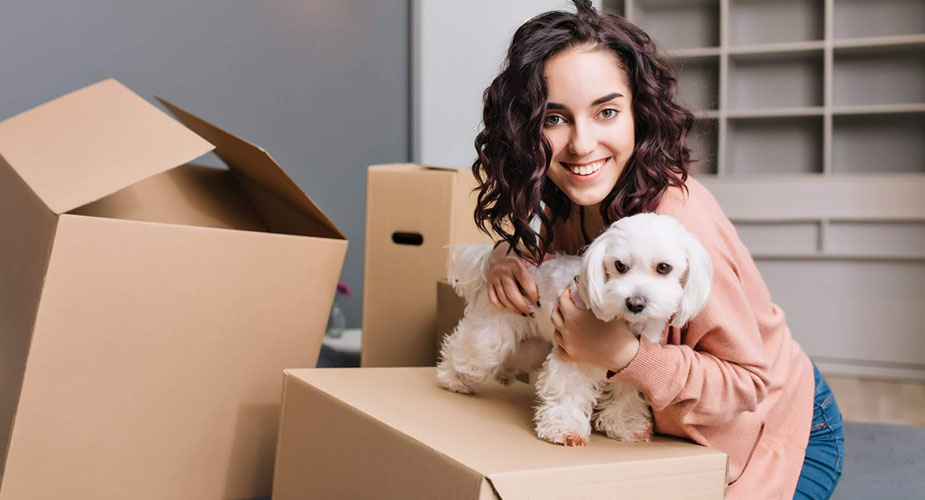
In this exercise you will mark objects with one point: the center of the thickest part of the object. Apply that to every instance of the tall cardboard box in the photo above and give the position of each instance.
(147, 306)
(394, 433)
(412, 214)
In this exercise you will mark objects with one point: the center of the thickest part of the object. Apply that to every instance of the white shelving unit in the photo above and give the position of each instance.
(810, 131)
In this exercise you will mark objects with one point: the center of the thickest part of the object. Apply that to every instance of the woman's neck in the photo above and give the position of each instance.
(593, 222)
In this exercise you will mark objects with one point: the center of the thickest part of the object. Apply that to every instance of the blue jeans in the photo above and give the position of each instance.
(825, 452)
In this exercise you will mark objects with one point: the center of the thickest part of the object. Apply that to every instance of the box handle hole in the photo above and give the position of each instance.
(401, 238)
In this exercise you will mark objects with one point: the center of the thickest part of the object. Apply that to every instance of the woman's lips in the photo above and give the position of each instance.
(585, 171)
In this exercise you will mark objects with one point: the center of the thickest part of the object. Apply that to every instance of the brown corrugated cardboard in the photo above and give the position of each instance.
(148, 306)
(394, 433)
(412, 214)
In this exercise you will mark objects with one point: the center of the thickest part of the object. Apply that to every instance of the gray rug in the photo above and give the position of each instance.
(882, 462)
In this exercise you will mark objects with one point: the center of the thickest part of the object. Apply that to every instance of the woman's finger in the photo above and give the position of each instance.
(502, 298)
(514, 296)
(493, 297)
(556, 316)
(528, 284)
(565, 303)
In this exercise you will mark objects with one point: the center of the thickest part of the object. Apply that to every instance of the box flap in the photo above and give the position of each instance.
(93, 142)
(253, 162)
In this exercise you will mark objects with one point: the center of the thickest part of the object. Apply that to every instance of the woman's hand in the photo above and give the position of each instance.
(510, 286)
(585, 339)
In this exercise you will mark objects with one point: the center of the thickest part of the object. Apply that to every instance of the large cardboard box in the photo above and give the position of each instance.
(412, 214)
(148, 306)
(394, 433)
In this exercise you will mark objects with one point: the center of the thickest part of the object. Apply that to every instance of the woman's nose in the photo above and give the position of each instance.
(582, 142)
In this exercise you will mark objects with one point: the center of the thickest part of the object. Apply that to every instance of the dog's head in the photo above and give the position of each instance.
(644, 267)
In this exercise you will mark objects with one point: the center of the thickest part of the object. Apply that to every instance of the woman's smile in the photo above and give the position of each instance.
(585, 171)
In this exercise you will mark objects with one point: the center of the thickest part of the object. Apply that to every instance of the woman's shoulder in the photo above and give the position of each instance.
(695, 207)
(689, 200)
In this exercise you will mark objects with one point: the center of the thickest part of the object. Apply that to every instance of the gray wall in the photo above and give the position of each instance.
(322, 84)
(451, 68)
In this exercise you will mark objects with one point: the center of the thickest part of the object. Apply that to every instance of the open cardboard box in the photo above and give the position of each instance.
(148, 306)
(394, 433)
(413, 214)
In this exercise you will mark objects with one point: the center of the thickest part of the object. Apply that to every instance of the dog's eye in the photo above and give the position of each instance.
(621, 267)
(663, 268)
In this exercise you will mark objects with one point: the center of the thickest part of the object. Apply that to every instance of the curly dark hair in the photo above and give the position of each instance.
(514, 154)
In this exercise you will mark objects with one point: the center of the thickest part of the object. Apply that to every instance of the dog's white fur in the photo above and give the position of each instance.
(490, 342)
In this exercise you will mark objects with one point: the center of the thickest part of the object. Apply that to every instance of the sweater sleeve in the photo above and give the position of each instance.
(718, 369)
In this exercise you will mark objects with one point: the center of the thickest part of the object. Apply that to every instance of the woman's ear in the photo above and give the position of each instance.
(593, 275)
(696, 283)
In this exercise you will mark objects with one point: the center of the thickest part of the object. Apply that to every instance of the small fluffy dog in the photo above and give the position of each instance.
(646, 269)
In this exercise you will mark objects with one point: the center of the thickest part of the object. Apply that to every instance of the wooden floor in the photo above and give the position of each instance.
(885, 402)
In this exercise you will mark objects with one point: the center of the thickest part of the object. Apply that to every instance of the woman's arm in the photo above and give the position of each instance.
(719, 369)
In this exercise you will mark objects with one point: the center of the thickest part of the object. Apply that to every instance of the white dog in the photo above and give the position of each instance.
(645, 269)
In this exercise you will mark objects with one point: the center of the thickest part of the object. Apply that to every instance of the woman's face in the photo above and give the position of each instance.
(589, 123)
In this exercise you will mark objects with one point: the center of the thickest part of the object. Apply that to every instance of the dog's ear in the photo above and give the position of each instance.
(593, 275)
(696, 282)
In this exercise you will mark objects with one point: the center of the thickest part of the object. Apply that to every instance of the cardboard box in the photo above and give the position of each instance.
(394, 433)
(148, 306)
(412, 214)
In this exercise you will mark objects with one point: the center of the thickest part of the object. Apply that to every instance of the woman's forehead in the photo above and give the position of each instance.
(578, 77)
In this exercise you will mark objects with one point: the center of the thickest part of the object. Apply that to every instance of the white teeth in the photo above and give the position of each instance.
(587, 169)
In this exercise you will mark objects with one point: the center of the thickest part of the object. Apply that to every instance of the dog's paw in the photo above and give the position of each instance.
(457, 382)
(564, 438)
(644, 436)
(623, 432)
(505, 377)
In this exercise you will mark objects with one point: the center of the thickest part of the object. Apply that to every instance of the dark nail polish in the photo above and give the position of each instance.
(532, 315)
(523, 314)
(538, 303)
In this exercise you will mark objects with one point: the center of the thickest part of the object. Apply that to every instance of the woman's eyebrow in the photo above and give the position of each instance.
(600, 100)
(608, 97)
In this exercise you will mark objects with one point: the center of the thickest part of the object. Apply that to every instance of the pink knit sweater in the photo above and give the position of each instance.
(733, 380)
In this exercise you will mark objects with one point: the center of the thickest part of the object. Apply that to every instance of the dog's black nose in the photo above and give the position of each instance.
(635, 304)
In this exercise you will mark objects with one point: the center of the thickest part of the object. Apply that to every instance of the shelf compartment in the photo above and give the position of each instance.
(679, 24)
(775, 81)
(779, 238)
(862, 18)
(772, 21)
(702, 142)
(883, 77)
(774, 146)
(882, 238)
(833, 305)
(698, 82)
(878, 143)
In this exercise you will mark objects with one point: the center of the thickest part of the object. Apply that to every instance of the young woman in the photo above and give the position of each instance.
(582, 128)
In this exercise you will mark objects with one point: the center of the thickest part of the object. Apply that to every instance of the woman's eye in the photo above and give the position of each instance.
(553, 120)
(608, 113)
(663, 268)
(621, 267)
